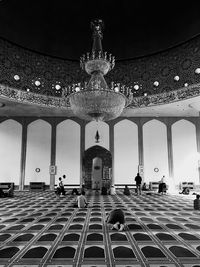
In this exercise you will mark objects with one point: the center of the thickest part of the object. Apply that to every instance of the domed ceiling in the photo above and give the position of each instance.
(135, 33)
(132, 28)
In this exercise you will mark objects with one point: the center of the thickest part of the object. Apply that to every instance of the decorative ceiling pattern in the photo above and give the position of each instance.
(157, 79)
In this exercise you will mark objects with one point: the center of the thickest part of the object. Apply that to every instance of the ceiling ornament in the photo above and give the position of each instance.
(95, 100)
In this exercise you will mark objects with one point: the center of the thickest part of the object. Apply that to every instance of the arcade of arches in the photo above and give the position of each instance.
(169, 145)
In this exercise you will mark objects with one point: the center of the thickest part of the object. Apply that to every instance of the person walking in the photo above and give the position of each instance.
(138, 180)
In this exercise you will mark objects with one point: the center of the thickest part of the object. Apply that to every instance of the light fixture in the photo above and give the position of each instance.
(37, 83)
(95, 100)
(197, 71)
(156, 83)
(16, 77)
(176, 78)
(136, 87)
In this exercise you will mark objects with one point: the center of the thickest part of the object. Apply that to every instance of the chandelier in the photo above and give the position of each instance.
(95, 100)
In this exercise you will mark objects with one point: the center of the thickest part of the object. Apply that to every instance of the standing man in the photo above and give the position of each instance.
(138, 180)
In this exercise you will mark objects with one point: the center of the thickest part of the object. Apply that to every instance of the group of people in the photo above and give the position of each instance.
(8, 192)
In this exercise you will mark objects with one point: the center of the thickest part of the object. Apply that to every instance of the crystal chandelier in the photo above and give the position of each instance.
(95, 100)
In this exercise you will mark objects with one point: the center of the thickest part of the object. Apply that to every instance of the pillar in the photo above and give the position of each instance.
(23, 155)
(141, 149)
(82, 150)
(198, 143)
(111, 148)
(53, 154)
(170, 151)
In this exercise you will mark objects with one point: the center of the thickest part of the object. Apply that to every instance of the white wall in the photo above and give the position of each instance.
(185, 152)
(68, 151)
(10, 152)
(38, 152)
(155, 151)
(90, 132)
(125, 152)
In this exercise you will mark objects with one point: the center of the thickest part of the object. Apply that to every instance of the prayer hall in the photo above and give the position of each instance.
(99, 133)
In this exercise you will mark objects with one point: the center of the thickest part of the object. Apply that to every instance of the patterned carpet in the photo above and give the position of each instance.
(37, 229)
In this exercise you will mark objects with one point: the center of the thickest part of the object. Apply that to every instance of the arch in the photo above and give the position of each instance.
(152, 252)
(47, 237)
(37, 252)
(185, 154)
(179, 252)
(123, 252)
(8, 252)
(71, 237)
(76, 227)
(36, 227)
(163, 236)
(94, 252)
(10, 152)
(118, 237)
(125, 151)
(90, 131)
(56, 227)
(141, 237)
(4, 237)
(154, 138)
(65, 253)
(187, 236)
(24, 238)
(95, 237)
(38, 152)
(88, 156)
(68, 150)
(95, 226)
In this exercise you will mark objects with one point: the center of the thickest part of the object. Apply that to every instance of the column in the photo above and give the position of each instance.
(111, 147)
(141, 149)
(170, 151)
(197, 124)
(23, 155)
(82, 150)
(53, 154)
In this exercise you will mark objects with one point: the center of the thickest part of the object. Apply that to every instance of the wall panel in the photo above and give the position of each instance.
(125, 152)
(185, 152)
(68, 151)
(38, 152)
(155, 151)
(10, 152)
(90, 132)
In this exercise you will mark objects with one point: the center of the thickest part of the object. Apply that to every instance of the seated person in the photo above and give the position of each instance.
(126, 190)
(2, 193)
(81, 200)
(75, 191)
(10, 191)
(104, 190)
(117, 219)
(7, 193)
(112, 190)
(144, 187)
(197, 203)
(185, 191)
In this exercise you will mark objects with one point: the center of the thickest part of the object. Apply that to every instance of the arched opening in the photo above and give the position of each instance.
(97, 167)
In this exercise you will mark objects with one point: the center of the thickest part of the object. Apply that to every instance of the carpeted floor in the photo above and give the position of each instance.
(37, 229)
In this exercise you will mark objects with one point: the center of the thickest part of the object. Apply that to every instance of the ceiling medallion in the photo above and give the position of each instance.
(95, 100)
